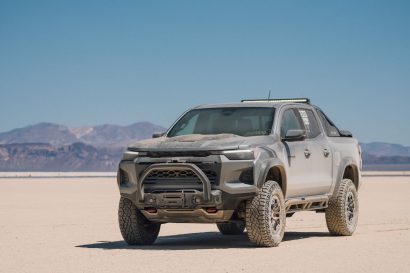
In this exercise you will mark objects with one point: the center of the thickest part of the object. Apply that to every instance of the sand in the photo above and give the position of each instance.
(70, 225)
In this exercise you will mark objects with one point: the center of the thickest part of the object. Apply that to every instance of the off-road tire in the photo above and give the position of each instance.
(343, 210)
(266, 216)
(231, 228)
(135, 228)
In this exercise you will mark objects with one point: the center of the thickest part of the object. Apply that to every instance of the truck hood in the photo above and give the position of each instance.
(199, 142)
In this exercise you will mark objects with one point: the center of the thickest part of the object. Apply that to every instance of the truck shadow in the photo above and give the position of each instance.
(203, 240)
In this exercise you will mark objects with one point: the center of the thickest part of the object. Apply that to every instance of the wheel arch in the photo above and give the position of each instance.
(351, 172)
(348, 170)
(274, 171)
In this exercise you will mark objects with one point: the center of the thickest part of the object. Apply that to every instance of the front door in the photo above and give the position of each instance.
(295, 160)
(309, 161)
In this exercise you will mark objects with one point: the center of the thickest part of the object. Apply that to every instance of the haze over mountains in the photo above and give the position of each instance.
(385, 156)
(101, 135)
(54, 147)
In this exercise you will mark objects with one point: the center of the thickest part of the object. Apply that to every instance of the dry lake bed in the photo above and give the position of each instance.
(70, 225)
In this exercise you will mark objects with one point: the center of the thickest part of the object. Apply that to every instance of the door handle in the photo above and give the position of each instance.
(307, 153)
(326, 152)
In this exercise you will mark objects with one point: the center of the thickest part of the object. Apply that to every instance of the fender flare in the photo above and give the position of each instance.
(263, 170)
(346, 162)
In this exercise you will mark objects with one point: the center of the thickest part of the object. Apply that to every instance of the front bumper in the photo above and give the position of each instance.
(224, 193)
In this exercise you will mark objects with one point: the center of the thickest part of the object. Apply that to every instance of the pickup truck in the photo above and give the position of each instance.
(245, 165)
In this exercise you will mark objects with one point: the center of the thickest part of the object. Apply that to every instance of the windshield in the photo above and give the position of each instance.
(243, 121)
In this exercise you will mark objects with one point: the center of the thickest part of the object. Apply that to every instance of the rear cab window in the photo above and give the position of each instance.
(330, 129)
(310, 122)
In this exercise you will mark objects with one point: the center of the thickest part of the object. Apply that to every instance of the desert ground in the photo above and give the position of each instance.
(70, 225)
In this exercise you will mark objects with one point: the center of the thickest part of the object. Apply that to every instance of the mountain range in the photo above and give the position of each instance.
(54, 147)
(107, 135)
(383, 156)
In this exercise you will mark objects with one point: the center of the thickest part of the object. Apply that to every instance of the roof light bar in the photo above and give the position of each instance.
(298, 100)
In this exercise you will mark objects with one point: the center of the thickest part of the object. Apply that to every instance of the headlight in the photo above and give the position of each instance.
(239, 154)
(131, 155)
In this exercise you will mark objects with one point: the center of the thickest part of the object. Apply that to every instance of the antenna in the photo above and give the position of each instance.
(269, 95)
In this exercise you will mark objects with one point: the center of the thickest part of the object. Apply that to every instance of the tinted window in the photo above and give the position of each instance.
(310, 122)
(243, 121)
(330, 128)
(290, 121)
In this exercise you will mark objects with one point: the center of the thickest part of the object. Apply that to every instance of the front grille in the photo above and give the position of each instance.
(159, 180)
(180, 175)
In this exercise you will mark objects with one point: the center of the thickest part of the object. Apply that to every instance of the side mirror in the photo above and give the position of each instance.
(345, 133)
(157, 135)
(295, 135)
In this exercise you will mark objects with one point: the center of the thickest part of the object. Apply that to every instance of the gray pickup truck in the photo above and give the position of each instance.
(241, 165)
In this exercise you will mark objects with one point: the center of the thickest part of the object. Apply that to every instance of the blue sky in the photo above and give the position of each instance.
(82, 63)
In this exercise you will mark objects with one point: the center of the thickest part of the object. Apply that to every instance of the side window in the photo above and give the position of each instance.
(290, 121)
(310, 122)
(330, 128)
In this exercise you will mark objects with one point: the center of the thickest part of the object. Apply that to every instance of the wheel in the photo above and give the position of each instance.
(231, 228)
(266, 216)
(343, 210)
(135, 228)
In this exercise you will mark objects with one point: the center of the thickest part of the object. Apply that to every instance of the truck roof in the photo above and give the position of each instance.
(255, 103)
(237, 104)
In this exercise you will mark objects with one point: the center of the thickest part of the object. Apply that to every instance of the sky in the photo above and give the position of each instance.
(83, 63)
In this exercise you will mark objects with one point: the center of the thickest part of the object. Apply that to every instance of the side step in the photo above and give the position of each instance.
(306, 203)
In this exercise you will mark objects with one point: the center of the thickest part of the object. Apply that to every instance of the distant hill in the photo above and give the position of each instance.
(116, 135)
(54, 147)
(385, 149)
(46, 157)
(383, 156)
(107, 135)
(51, 133)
